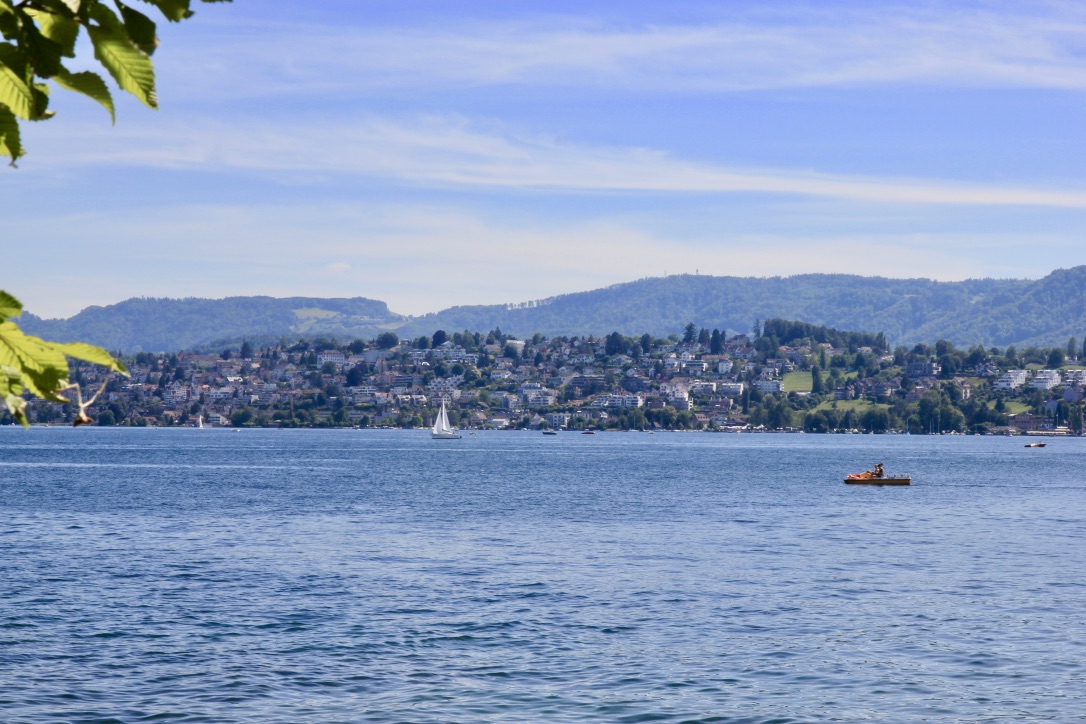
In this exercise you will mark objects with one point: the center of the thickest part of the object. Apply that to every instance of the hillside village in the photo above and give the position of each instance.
(786, 376)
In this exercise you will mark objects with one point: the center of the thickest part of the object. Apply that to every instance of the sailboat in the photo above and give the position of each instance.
(442, 430)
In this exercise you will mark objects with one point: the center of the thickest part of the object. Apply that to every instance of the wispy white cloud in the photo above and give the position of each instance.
(247, 102)
(1030, 45)
(449, 152)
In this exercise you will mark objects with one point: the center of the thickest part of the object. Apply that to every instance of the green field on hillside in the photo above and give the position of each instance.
(797, 382)
(855, 405)
(801, 381)
(1013, 407)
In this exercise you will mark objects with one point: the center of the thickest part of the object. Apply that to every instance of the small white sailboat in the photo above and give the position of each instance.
(442, 430)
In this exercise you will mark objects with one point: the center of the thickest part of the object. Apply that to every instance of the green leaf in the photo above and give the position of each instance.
(30, 364)
(9, 22)
(141, 29)
(10, 143)
(89, 84)
(9, 306)
(67, 8)
(43, 368)
(90, 353)
(15, 93)
(41, 102)
(128, 65)
(42, 52)
(61, 30)
(174, 10)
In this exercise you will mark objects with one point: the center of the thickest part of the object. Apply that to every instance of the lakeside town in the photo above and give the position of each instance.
(785, 376)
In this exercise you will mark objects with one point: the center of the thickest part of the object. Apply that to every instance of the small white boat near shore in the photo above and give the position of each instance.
(442, 430)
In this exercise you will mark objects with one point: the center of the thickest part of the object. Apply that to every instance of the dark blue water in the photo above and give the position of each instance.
(340, 576)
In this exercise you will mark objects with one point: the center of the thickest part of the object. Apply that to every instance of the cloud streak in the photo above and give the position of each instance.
(1020, 46)
(448, 152)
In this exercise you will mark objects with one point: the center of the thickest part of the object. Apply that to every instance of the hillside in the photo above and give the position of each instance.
(985, 311)
(155, 325)
(978, 311)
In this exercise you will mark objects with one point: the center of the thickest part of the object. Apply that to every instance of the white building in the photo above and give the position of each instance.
(543, 398)
(732, 389)
(1075, 377)
(558, 420)
(1046, 379)
(1010, 380)
(617, 400)
(334, 356)
(768, 385)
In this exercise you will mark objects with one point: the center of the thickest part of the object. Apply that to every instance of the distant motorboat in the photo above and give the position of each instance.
(442, 430)
(550, 432)
(588, 432)
(1035, 444)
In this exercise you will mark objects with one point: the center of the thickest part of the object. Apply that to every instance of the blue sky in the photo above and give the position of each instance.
(438, 153)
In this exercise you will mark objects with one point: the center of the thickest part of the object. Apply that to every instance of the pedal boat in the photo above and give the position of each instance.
(861, 479)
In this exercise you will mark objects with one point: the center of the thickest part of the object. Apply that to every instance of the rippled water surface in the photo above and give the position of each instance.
(338, 576)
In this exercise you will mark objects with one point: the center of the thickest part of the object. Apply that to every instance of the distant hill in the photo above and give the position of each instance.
(166, 325)
(978, 311)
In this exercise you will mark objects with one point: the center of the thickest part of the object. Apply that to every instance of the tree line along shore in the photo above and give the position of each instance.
(782, 376)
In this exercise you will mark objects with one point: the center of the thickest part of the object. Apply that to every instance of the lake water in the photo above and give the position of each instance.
(344, 575)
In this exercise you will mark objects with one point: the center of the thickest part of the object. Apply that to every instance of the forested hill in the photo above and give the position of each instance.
(991, 312)
(167, 325)
(983, 311)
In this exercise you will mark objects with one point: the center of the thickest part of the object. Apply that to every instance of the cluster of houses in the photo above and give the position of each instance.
(512, 383)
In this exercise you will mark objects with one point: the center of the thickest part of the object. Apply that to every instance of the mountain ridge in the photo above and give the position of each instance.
(150, 324)
(997, 312)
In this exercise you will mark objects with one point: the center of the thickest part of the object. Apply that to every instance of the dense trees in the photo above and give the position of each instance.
(616, 344)
(387, 340)
(786, 332)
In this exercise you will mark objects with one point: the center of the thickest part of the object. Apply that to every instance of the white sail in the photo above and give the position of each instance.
(442, 430)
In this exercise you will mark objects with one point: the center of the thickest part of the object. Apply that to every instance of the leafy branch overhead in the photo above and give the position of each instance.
(38, 35)
(31, 365)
